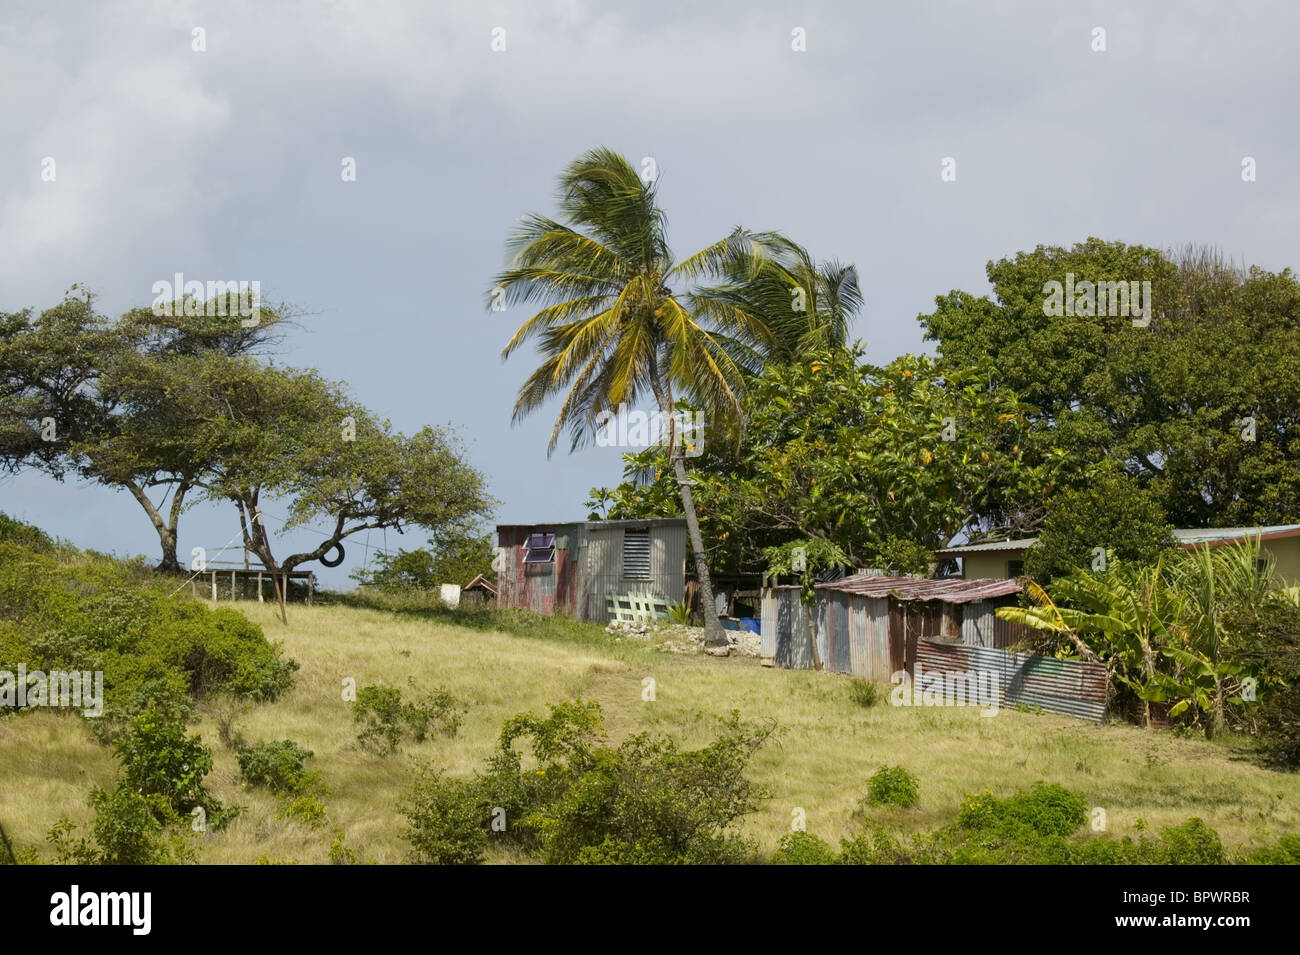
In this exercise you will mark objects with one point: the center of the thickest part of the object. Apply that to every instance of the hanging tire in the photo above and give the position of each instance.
(336, 561)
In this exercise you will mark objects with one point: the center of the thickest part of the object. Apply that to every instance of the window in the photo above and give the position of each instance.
(540, 549)
(1015, 568)
(636, 555)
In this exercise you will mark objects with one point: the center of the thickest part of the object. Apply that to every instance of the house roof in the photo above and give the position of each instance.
(647, 522)
(481, 582)
(1018, 543)
(1186, 536)
(951, 590)
(1222, 535)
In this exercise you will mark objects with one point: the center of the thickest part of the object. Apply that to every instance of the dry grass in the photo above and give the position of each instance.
(820, 760)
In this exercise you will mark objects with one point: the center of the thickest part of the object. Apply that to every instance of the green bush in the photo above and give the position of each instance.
(893, 786)
(803, 848)
(130, 828)
(278, 766)
(385, 719)
(70, 610)
(305, 809)
(445, 824)
(1192, 843)
(582, 801)
(159, 760)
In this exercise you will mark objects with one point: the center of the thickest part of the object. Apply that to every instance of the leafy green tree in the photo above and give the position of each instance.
(97, 398)
(1199, 404)
(622, 317)
(449, 558)
(885, 463)
(1111, 518)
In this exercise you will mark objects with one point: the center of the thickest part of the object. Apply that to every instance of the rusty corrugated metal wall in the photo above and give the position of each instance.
(588, 567)
(1073, 687)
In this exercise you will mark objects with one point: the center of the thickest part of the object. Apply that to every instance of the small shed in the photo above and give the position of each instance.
(479, 592)
(583, 568)
(868, 625)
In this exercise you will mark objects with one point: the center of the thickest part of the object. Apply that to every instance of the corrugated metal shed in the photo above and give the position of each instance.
(949, 590)
(588, 565)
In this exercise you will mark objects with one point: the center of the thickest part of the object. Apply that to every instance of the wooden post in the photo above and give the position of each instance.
(232, 585)
(311, 589)
(214, 586)
(259, 587)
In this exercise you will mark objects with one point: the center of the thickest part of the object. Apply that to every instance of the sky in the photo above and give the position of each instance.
(220, 153)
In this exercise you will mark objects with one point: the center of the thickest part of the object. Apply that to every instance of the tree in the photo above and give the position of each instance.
(95, 398)
(623, 318)
(451, 557)
(291, 436)
(1201, 404)
(809, 306)
(886, 463)
(1110, 518)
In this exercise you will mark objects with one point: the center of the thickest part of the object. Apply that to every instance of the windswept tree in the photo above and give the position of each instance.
(621, 317)
(288, 438)
(809, 306)
(104, 399)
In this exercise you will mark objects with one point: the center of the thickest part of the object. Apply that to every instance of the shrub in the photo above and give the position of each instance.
(803, 848)
(1286, 852)
(129, 829)
(65, 609)
(385, 719)
(644, 802)
(339, 853)
(893, 786)
(278, 767)
(305, 809)
(865, 693)
(159, 760)
(1192, 843)
(445, 824)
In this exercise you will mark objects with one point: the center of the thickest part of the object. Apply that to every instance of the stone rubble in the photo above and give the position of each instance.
(676, 638)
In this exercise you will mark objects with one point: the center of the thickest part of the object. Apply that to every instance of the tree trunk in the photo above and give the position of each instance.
(165, 529)
(714, 635)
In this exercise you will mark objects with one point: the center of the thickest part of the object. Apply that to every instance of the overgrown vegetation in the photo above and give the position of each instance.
(63, 609)
(385, 719)
(579, 800)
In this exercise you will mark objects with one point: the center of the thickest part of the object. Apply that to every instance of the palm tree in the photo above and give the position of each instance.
(809, 306)
(622, 318)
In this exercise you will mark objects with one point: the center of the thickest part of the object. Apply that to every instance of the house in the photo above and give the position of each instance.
(589, 569)
(1007, 558)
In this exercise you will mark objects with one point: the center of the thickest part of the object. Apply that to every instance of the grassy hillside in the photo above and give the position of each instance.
(820, 760)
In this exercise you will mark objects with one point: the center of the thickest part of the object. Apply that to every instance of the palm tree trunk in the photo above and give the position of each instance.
(714, 635)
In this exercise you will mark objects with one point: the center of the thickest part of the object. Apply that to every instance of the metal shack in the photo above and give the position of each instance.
(868, 626)
(580, 568)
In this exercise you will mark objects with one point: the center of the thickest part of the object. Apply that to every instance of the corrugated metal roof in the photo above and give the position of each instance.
(1184, 535)
(647, 522)
(1019, 543)
(952, 590)
(1211, 534)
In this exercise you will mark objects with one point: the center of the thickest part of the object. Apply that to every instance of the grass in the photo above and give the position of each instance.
(500, 663)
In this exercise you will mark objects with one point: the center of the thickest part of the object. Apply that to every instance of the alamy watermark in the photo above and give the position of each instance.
(75, 689)
(193, 299)
(639, 429)
(951, 688)
(1098, 298)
